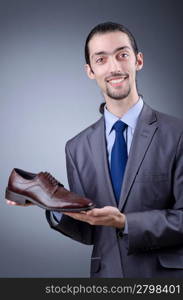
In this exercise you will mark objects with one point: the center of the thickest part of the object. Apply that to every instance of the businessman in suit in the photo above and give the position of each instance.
(130, 163)
(136, 228)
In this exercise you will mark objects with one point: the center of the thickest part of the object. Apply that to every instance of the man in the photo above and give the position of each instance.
(130, 163)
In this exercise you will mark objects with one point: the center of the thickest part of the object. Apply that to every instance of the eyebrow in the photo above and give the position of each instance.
(108, 53)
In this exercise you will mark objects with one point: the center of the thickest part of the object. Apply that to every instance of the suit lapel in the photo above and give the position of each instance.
(98, 147)
(144, 132)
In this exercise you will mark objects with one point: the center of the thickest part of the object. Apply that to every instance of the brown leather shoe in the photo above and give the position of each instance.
(45, 191)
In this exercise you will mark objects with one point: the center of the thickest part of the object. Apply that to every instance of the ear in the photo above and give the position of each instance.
(89, 71)
(139, 61)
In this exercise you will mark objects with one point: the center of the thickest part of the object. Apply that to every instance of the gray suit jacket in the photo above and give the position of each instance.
(151, 199)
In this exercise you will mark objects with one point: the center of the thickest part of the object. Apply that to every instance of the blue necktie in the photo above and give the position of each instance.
(119, 158)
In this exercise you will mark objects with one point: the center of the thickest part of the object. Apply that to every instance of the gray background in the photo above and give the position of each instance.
(46, 98)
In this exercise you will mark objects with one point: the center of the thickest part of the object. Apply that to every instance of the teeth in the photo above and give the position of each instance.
(117, 80)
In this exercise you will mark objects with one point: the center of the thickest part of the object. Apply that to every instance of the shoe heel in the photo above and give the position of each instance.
(20, 199)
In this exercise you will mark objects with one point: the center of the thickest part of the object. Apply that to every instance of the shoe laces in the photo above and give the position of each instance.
(51, 179)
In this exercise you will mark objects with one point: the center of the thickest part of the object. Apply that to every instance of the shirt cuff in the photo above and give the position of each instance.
(57, 216)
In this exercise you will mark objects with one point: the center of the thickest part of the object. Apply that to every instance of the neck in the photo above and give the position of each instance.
(120, 107)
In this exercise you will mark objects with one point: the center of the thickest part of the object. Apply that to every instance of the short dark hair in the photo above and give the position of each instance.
(109, 27)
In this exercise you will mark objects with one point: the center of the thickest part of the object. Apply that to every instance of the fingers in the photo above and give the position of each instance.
(91, 219)
(79, 216)
(96, 212)
(104, 211)
(12, 203)
(102, 220)
(107, 216)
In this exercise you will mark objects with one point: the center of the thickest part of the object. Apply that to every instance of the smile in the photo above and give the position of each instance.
(117, 81)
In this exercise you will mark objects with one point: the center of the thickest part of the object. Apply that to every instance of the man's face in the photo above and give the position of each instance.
(113, 64)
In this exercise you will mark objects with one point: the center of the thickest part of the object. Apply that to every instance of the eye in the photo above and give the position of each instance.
(123, 55)
(100, 60)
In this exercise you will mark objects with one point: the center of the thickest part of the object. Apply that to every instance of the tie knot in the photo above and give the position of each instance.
(119, 126)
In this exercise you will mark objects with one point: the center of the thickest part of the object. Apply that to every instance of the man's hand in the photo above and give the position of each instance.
(107, 216)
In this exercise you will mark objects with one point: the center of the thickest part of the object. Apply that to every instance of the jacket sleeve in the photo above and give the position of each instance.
(156, 229)
(77, 230)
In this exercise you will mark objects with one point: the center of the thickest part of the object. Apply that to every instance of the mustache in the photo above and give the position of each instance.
(112, 75)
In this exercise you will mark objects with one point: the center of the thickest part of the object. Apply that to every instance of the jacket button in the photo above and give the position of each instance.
(120, 234)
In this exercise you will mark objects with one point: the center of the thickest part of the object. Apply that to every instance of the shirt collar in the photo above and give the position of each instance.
(130, 118)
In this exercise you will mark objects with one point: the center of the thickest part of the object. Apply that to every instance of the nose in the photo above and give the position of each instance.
(114, 66)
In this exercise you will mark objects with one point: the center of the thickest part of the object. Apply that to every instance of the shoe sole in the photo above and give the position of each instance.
(23, 200)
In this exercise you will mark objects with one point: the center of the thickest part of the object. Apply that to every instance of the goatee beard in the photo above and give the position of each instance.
(115, 96)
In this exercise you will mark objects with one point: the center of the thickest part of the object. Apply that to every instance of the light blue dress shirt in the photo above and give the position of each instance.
(130, 118)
